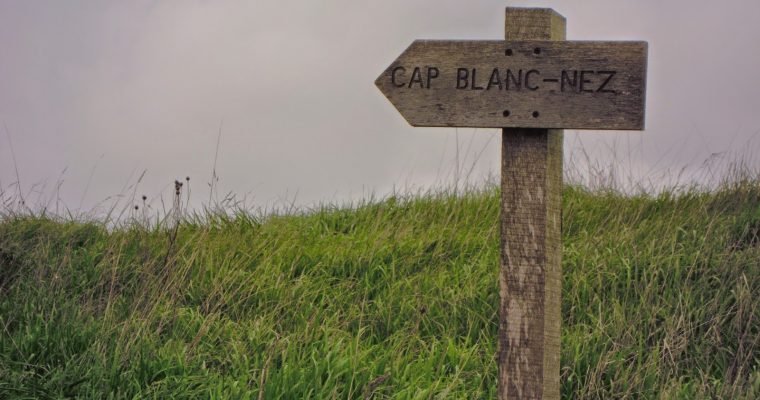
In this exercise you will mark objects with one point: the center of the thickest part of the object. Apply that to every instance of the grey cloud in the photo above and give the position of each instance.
(147, 84)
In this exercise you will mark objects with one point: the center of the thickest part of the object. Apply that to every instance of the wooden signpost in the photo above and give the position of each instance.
(533, 84)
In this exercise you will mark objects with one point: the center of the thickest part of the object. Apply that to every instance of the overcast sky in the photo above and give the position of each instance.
(94, 93)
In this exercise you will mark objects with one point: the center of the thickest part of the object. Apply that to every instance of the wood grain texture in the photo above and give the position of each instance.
(519, 82)
(531, 249)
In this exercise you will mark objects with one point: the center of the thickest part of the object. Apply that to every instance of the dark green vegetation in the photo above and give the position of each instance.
(395, 299)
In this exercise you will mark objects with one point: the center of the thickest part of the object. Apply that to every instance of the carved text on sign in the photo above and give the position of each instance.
(583, 81)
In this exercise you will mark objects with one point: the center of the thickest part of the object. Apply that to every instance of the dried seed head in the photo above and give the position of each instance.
(137, 207)
(145, 197)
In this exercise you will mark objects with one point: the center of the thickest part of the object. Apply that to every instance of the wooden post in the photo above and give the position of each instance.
(531, 246)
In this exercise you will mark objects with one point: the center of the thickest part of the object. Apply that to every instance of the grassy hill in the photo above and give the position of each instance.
(390, 299)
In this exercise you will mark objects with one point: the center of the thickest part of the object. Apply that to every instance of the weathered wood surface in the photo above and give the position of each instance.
(519, 83)
(530, 275)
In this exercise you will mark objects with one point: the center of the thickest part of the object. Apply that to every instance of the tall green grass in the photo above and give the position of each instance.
(389, 299)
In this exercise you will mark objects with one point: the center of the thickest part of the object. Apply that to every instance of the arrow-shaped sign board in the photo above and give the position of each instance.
(519, 84)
